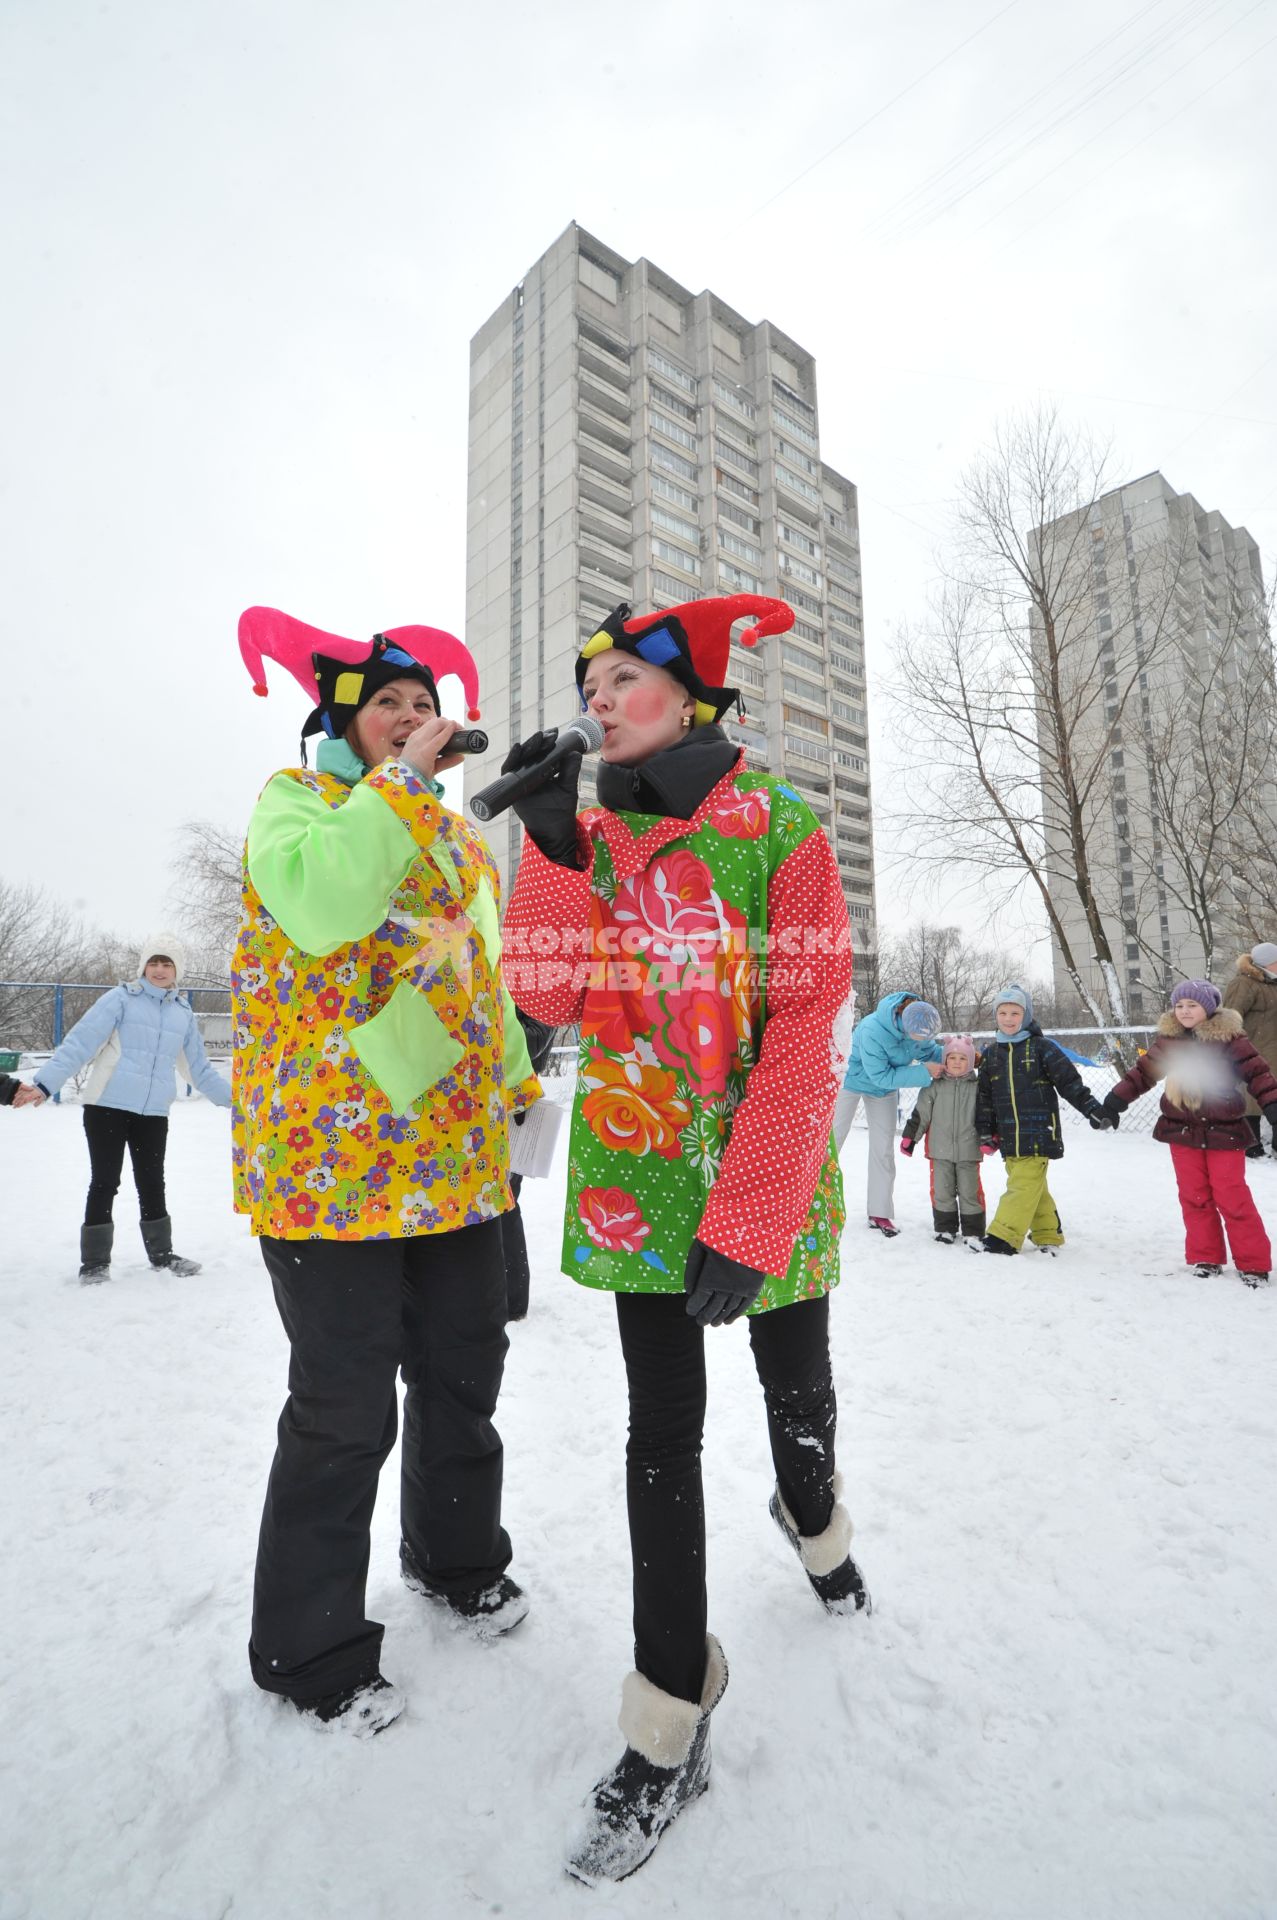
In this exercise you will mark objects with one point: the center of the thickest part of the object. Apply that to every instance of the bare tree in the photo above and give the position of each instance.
(207, 889)
(1015, 701)
(959, 978)
(43, 941)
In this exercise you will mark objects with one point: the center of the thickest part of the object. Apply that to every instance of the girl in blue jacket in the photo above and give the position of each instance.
(895, 1046)
(138, 1037)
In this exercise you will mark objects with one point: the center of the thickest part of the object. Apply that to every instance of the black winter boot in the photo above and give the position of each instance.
(835, 1578)
(488, 1612)
(95, 1253)
(664, 1768)
(992, 1244)
(157, 1238)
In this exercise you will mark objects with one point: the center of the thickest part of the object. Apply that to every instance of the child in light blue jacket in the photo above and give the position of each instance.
(138, 1037)
(892, 1047)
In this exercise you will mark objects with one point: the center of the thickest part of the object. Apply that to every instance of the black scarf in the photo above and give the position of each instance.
(673, 782)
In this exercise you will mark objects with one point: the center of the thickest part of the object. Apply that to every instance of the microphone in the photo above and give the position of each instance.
(468, 740)
(583, 736)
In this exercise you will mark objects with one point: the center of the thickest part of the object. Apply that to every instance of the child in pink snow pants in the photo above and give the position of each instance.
(1206, 1066)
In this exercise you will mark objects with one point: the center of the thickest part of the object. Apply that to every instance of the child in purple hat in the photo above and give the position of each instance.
(1206, 1066)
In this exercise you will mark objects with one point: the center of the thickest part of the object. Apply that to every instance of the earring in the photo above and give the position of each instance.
(687, 721)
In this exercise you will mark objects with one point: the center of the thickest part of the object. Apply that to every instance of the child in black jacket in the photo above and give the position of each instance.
(1017, 1108)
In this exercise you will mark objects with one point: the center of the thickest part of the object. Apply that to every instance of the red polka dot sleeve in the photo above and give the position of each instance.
(546, 935)
(780, 1133)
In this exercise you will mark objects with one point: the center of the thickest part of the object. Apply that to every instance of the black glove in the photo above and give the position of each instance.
(1102, 1117)
(719, 1289)
(549, 812)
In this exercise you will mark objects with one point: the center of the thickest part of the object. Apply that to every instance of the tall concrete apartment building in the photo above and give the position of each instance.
(632, 441)
(1162, 594)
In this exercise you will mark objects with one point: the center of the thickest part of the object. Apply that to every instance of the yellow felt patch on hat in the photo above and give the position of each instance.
(348, 689)
(598, 643)
(704, 716)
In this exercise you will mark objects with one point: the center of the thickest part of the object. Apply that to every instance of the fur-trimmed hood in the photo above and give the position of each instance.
(1249, 971)
(1225, 1025)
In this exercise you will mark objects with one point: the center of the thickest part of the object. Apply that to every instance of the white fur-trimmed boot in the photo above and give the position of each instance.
(664, 1768)
(835, 1578)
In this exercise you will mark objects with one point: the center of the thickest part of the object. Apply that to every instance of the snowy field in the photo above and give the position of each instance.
(1063, 1479)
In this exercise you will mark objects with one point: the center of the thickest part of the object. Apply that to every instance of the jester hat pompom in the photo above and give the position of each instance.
(340, 675)
(692, 642)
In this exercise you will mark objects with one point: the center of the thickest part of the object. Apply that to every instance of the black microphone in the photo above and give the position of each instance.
(468, 740)
(583, 736)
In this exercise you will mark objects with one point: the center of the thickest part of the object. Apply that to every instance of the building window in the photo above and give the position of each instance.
(730, 484)
(724, 450)
(797, 569)
(739, 517)
(795, 426)
(736, 577)
(679, 496)
(671, 523)
(795, 657)
(731, 398)
(743, 549)
(797, 484)
(673, 430)
(673, 462)
(660, 363)
(676, 557)
(794, 537)
(682, 409)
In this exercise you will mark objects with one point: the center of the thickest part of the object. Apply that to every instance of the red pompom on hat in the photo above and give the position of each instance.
(691, 641)
(341, 674)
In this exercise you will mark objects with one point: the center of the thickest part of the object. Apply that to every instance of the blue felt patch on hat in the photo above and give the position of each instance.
(658, 648)
(396, 657)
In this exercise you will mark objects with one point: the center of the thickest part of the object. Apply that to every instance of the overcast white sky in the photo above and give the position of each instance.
(249, 244)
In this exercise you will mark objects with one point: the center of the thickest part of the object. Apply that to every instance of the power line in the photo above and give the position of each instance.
(884, 108)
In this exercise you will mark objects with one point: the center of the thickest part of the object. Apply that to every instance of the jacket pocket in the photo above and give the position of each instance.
(406, 1047)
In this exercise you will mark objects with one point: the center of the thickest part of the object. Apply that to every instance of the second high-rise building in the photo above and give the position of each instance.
(632, 441)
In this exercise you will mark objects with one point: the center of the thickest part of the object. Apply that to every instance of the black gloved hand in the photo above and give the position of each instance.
(719, 1289)
(1103, 1116)
(549, 812)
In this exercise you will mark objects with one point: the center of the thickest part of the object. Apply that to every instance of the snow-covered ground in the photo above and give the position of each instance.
(1062, 1475)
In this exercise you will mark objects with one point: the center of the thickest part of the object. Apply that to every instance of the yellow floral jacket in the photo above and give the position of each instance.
(377, 1053)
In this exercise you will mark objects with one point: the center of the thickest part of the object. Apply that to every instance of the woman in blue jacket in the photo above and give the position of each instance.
(894, 1046)
(138, 1037)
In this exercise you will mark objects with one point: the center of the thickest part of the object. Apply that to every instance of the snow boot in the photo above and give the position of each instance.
(664, 1768)
(157, 1238)
(488, 1612)
(1257, 1152)
(1205, 1270)
(992, 1244)
(1039, 1248)
(1252, 1279)
(946, 1238)
(835, 1578)
(365, 1710)
(95, 1253)
(887, 1228)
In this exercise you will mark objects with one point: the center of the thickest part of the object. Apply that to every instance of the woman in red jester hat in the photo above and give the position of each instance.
(377, 1062)
(694, 925)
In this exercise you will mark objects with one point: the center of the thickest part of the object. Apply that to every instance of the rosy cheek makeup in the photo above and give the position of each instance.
(645, 705)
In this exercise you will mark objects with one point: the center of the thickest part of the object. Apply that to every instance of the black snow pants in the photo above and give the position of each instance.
(664, 1353)
(355, 1313)
(109, 1130)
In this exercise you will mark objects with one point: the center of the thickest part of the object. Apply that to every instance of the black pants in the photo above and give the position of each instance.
(1255, 1121)
(664, 1353)
(518, 1274)
(355, 1312)
(108, 1131)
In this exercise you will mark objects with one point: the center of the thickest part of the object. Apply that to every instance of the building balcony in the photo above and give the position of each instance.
(603, 553)
(614, 374)
(609, 525)
(611, 587)
(603, 427)
(601, 489)
(613, 463)
(604, 398)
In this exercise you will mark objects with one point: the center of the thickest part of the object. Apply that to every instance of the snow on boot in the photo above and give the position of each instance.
(488, 1612)
(1253, 1279)
(835, 1578)
(1039, 1248)
(946, 1238)
(887, 1228)
(1204, 1270)
(664, 1768)
(364, 1710)
(157, 1238)
(95, 1253)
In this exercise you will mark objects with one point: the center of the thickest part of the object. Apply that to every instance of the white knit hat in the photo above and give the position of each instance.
(1265, 955)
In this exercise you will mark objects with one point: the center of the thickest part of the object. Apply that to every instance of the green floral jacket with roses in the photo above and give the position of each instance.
(708, 962)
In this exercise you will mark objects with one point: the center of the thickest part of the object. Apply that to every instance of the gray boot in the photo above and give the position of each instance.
(157, 1238)
(95, 1253)
(664, 1768)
